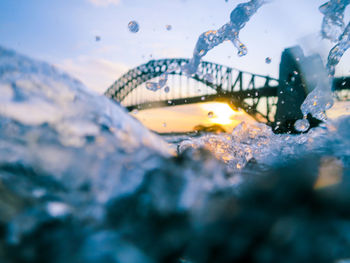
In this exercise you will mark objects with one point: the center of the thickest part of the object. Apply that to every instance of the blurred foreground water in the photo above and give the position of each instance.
(82, 181)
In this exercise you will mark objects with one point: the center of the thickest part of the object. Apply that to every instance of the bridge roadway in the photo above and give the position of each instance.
(234, 99)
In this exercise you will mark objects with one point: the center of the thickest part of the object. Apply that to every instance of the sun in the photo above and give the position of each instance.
(219, 113)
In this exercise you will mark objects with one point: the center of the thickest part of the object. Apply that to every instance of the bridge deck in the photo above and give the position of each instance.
(232, 98)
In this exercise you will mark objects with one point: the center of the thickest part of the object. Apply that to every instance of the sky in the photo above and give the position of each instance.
(63, 33)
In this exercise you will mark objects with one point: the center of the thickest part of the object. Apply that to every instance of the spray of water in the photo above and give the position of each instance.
(333, 28)
(333, 21)
(230, 31)
(212, 38)
(338, 51)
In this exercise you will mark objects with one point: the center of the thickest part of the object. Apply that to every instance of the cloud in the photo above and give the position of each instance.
(105, 2)
(97, 74)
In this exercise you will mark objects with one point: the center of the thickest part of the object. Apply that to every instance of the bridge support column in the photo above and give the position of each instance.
(298, 76)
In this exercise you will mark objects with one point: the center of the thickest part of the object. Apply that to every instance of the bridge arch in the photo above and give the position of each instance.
(155, 68)
(227, 84)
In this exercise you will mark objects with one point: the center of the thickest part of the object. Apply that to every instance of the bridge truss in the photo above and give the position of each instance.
(255, 94)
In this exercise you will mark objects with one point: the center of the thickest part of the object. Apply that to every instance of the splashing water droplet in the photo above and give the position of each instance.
(133, 27)
(202, 98)
(318, 101)
(302, 125)
(333, 29)
(155, 86)
(168, 27)
(210, 114)
(152, 86)
(229, 31)
(166, 89)
(268, 60)
(333, 21)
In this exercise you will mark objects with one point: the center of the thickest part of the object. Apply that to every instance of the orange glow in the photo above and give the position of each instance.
(184, 118)
(223, 114)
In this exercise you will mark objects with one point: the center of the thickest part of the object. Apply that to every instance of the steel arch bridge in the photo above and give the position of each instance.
(273, 101)
(239, 89)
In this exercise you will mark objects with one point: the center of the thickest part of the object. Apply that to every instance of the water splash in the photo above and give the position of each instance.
(230, 31)
(163, 79)
(302, 125)
(338, 51)
(333, 28)
(321, 98)
(133, 27)
(155, 86)
(318, 101)
(333, 21)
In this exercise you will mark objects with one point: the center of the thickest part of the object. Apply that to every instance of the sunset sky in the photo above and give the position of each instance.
(63, 32)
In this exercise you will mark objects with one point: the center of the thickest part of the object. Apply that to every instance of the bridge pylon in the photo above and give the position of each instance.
(298, 76)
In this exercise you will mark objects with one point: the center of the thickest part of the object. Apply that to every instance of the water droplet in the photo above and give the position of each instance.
(133, 27)
(166, 89)
(201, 53)
(302, 125)
(268, 60)
(203, 98)
(168, 27)
(152, 86)
(97, 38)
(164, 124)
(210, 114)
